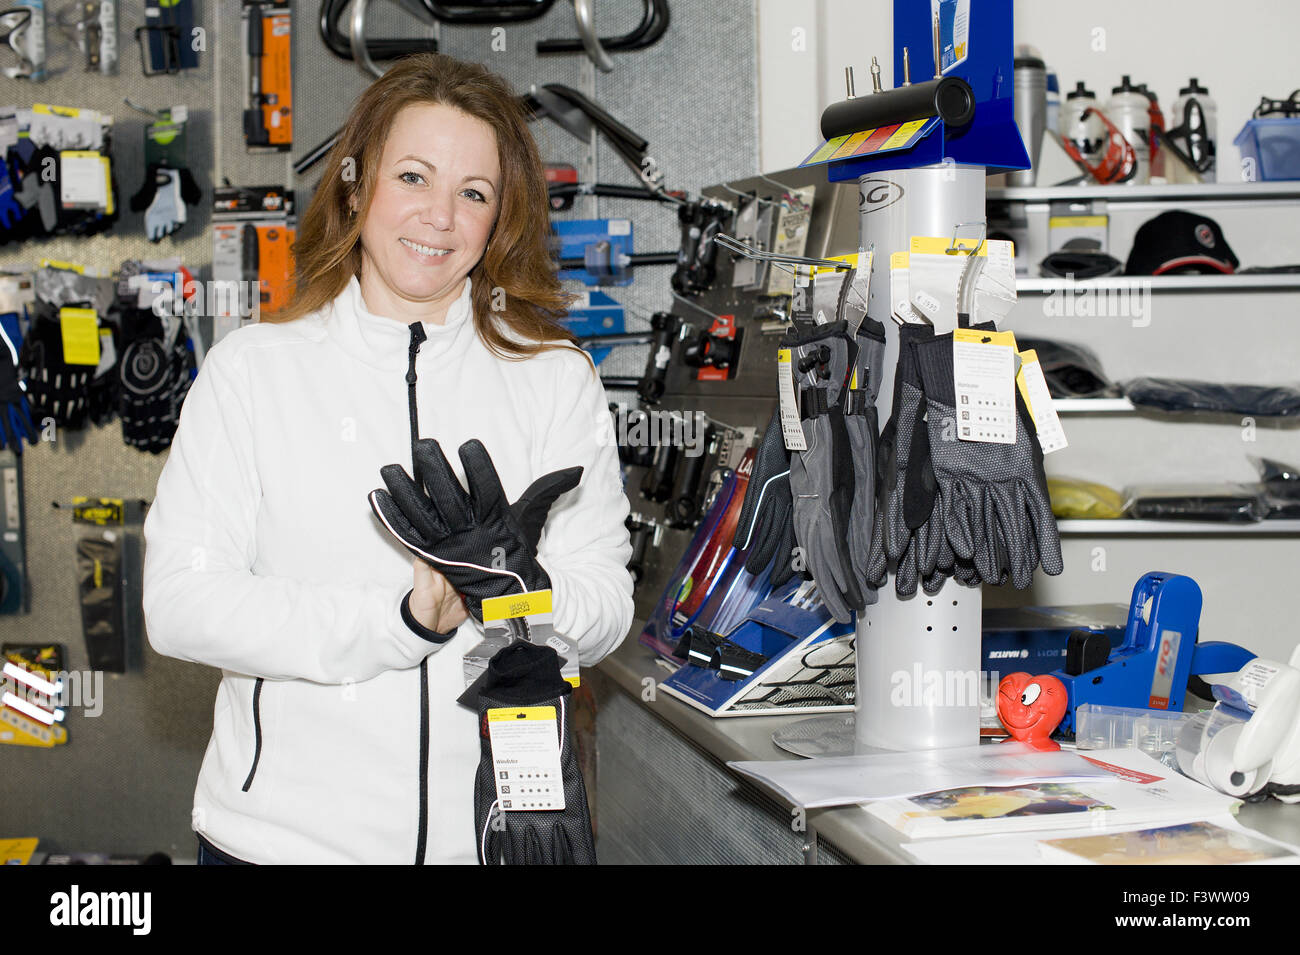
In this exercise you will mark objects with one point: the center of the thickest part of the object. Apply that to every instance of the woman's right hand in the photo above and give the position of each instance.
(434, 602)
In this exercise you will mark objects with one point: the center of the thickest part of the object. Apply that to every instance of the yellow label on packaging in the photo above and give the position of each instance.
(1075, 222)
(66, 266)
(48, 110)
(507, 715)
(80, 328)
(975, 336)
(102, 511)
(898, 260)
(17, 851)
(939, 245)
(516, 605)
(108, 186)
(17, 730)
(850, 259)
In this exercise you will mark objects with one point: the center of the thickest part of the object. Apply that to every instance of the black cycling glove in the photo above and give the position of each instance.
(485, 546)
(524, 674)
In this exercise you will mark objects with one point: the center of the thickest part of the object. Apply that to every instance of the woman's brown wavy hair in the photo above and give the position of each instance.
(517, 261)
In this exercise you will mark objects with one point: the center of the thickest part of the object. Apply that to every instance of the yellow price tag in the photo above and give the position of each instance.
(80, 328)
(516, 605)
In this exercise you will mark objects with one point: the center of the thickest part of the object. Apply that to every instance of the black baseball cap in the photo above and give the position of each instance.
(1179, 242)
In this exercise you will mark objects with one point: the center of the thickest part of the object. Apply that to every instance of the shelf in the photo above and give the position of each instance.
(1164, 283)
(1232, 191)
(1123, 527)
(1093, 406)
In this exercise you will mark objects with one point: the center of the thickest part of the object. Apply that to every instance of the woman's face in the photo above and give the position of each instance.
(435, 203)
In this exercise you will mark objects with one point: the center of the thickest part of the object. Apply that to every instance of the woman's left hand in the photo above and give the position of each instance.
(434, 602)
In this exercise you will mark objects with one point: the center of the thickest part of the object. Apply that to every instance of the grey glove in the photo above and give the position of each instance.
(992, 498)
(860, 419)
(822, 477)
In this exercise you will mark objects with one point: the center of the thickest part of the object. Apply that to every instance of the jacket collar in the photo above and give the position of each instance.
(384, 342)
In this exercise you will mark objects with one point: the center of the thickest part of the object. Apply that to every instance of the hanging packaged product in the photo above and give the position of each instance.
(169, 40)
(268, 76)
(30, 695)
(24, 27)
(168, 186)
(939, 268)
(253, 231)
(14, 595)
(100, 580)
(56, 177)
(791, 237)
(96, 32)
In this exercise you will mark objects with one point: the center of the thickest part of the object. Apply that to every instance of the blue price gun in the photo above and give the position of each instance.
(1160, 654)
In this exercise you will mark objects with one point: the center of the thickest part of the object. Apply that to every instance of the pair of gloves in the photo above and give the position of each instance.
(154, 376)
(487, 547)
(813, 511)
(167, 190)
(976, 511)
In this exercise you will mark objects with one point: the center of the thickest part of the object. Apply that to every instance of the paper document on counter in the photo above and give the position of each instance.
(1123, 845)
(1141, 791)
(838, 780)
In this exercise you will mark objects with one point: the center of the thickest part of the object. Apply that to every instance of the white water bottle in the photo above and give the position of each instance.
(1088, 136)
(1130, 110)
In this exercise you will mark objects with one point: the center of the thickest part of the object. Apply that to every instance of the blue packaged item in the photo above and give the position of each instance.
(1271, 146)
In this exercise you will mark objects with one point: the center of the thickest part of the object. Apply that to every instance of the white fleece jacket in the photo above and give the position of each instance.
(263, 558)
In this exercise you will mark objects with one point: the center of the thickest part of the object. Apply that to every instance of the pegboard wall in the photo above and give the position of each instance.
(124, 782)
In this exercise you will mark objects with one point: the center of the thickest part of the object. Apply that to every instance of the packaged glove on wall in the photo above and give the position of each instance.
(155, 373)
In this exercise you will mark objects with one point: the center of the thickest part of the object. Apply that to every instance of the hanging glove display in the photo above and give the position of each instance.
(154, 376)
(56, 389)
(15, 413)
(485, 546)
(991, 499)
(861, 422)
(903, 533)
(163, 199)
(524, 675)
(822, 477)
(766, 524)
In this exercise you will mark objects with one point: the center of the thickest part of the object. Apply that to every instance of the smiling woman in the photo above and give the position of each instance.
(435, 177)
(339, 612)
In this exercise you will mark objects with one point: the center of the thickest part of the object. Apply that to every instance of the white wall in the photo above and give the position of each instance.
(1238, 49)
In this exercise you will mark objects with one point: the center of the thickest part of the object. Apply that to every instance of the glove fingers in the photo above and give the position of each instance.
(414, 505)
(391, 516)
(1046, 532)
(534, 505)
(962, 516)
(783, 559)
(434, 474)
(487, 499)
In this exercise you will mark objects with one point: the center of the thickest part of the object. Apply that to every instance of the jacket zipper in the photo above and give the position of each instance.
(257, 732)
(422, 832)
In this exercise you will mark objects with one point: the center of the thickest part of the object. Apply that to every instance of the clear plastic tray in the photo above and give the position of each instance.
(1154, 732)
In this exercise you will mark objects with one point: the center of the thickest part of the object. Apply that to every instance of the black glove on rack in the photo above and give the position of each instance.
(519, 675)
(154, 380)
(766, 524)
(485, 546)
(55, 389)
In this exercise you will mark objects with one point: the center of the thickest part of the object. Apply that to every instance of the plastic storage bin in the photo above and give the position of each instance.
(1273, 145)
